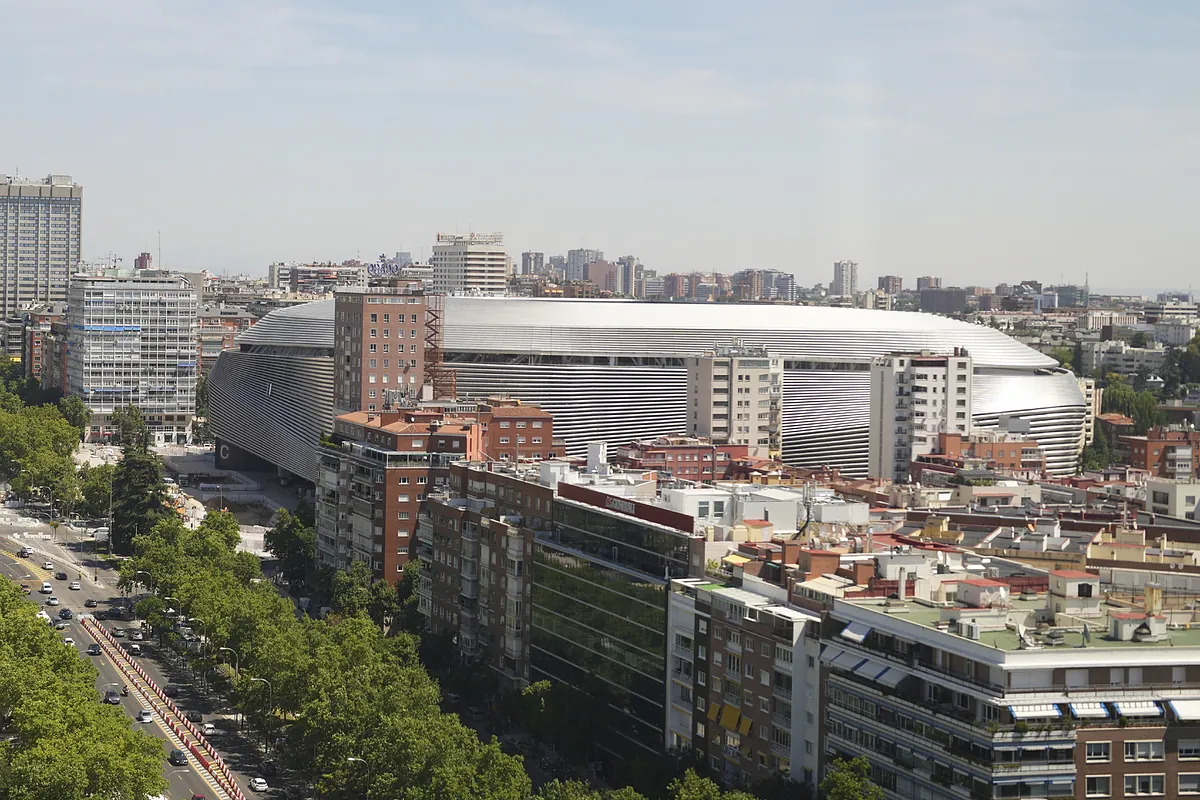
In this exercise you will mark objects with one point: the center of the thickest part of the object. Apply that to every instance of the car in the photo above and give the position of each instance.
(90, 603)
(269, 768)
(112, 698)
(25, 552)
(59, 625)
(209, 729)
(60, 576)
(118, 633)
(46, 588)
(25, 589)
(93, 649)
(101, 615)
(46, 565)
(258, 785)
(194, 717)
(133, 649)
(74, 586)
(137, 635)
(171, 691)
(68, 640)
(145, 715)
(65, 614)
(51, 600)
(177, 759)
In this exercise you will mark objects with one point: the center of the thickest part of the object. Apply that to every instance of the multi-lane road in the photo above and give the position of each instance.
(99, 584)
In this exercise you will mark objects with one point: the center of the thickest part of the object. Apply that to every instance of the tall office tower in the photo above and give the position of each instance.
(928, 282)
(132, 338)
(472, 263)
(845, 278)
(41, 224)
(892, 284)
(577, 261)
(734, 397)
(631, 273)
(532, 263)
(379, 346)
(914, 397)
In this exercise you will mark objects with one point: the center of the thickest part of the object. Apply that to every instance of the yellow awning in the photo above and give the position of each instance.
(734, 558)
(729, 717)
(713, 710)
(744, 727)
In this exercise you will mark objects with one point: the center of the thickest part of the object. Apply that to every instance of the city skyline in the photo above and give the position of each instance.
(986, 140)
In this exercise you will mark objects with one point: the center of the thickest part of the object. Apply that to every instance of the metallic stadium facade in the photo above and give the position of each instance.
(613, 370)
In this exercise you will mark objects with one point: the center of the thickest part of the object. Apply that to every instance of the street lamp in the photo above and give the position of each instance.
(270, 702)
(236, 657)
(364, 762)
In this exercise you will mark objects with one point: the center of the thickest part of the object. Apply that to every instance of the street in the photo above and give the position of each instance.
(99, 584)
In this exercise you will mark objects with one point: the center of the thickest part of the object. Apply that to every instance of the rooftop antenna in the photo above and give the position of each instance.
(160, 261)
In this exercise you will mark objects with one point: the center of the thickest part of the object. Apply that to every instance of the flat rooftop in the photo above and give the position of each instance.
(929, 616)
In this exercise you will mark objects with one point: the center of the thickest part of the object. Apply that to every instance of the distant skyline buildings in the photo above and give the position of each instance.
(41, 239)
(845, 279)
(577, 261)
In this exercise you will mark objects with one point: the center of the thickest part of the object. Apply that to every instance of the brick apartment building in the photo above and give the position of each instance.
(689, 457)
(38, 323)
(514, 431)
(379, 345)
(1008, 453)
(219, 328)
(1165, 453)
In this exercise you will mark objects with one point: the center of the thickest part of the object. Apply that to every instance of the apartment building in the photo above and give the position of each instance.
(475, 544)
(1093, 399)
(54, 356)
(1098, 320)
(1165, 453)
(915, 397)
(532, 263)
(944, 301)
(734, 396)
(1121, 357)
(373, 478)
(471, 263)
(744, 688)
(845, 279)
(688, 457)
(998, 450)
(379, 349)
(36, 333)
(132, 341)
(315, 279)
(578, 261)
(516, 431)
(975, 687)
(220, 326)
(891, 284)
(41, 231)
(929, 282)
(1175, 497)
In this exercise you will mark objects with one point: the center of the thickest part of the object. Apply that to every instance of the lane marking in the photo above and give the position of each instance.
(37, 573)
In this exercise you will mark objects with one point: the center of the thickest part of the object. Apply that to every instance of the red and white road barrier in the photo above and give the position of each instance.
(179, 724)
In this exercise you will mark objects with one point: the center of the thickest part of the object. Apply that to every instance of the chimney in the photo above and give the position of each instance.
(902, 590)
(1153, 599)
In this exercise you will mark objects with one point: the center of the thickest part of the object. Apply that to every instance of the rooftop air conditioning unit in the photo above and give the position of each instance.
(968, 630)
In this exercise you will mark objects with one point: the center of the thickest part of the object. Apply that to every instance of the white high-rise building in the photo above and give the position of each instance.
(41, 223)
(132, 340)
(471, 263)
(734, 397)
(578, 260)
(914, 397)
(845, 279)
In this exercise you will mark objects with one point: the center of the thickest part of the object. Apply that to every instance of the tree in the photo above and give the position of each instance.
(350, 590)
(409, 615)
(1097, 455)
(76, 412)
(850, 780)
(383, 604)
(132, 432)
(139, 498)
(1138, 339)
(691, 786)
(295, 545)
(96, 486)
(1064, 356)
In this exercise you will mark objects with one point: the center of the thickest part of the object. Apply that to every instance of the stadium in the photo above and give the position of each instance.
(613, 370)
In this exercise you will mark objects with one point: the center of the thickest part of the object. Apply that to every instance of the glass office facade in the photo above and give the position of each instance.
(600, 615)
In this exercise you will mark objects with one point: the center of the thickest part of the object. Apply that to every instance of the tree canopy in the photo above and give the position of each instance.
(850, 780)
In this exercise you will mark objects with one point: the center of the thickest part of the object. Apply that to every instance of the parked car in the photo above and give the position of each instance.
(145, 715)
(177, 759)
(93, 649)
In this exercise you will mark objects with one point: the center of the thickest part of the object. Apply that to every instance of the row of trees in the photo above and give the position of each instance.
(59, 742)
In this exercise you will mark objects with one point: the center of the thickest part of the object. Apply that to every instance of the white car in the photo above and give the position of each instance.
(68, 640)
(209, 729)
(145, 715)
(47, 587)
(258, 784)
(137, 635)
(46, 565)
(52, 600)
(75, 586)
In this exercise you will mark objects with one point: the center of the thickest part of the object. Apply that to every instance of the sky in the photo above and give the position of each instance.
(979, 141)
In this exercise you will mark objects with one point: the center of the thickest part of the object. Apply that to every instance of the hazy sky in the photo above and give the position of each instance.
(980, 141)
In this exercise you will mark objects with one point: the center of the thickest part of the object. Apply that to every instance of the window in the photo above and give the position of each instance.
(1143, 785)
(1146, 750)
(1098, 752)
(1189, 750)
(1099, 786)
(764, 677)
(402, 515)
(1189, 783)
